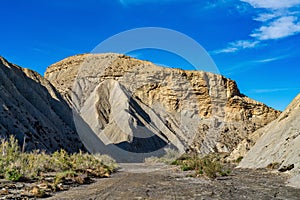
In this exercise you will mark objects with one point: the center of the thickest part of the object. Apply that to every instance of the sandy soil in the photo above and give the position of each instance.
(159, 181)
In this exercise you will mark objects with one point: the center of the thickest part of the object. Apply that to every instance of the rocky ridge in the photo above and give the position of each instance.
(278, 147)
(34, 112)
(141, 107)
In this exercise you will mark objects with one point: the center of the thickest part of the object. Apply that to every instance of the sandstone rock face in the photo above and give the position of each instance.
(141, 107)
(33, 111)
(279, 144)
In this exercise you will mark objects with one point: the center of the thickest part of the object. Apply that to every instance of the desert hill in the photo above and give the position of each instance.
(141, 107)
(279, 144)
(33, 111)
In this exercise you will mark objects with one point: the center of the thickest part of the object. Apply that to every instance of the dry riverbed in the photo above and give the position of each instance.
(159, 181)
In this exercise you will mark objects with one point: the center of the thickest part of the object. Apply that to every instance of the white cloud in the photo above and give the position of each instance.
(273, 4)
(272, 90)
(225, 50)
(280, 28)
(264, 17)
(277, 21)
(271, 59)
(236, 46)
(244, 44)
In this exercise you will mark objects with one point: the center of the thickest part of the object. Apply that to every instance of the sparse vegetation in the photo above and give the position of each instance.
(239, 159)
(209, 165)
(16, 165)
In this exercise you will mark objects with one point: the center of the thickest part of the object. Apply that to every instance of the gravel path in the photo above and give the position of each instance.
(159, 181)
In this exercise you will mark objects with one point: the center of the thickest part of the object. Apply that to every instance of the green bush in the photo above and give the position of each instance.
(13, 174)
(61, 176)
(209, 165)
(239, 159)
(16, 165)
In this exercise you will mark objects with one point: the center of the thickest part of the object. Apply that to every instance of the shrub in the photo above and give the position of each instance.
(13, 174)
(209, 165)
(62, 176)
(16, 165)
(239, 159)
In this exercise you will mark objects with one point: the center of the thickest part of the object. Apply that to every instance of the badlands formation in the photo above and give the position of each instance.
(34, 112)
(133, 109)
(279, 145)
(140, 107)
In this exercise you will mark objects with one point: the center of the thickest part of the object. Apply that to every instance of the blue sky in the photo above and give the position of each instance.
(254, 42)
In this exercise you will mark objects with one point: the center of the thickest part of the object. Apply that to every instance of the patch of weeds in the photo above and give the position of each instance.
(13, 174)
(209, 165)
(62, 176)
(16, 165)
(239, 159)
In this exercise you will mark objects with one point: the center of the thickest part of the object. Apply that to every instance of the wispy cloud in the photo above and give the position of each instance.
(258, 91)
(237, 45)
(265, 17)
(278, 20)
(266, 60)
(279, 28)
(270, 59)
(272, 4)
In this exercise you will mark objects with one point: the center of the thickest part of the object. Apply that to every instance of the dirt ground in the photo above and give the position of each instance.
(159, 181)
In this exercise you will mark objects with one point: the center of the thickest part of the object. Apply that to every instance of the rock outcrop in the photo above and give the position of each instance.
(141, 107)
(278, 147)
(34, 112)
